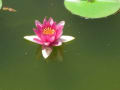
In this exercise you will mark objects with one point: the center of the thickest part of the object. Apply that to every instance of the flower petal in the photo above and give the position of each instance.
(50, 38)
(37, 32)
(33, 38)
(57, 43)
(46, 43)
(45, 21)
(65, 38)
(61, 23)
(46, 51)
(59, 27)
(51, 21)
(38, 24)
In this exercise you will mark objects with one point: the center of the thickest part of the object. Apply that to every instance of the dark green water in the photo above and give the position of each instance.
(90, 62)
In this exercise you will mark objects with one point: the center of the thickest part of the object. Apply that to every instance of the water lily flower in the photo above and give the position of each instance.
(48, 34)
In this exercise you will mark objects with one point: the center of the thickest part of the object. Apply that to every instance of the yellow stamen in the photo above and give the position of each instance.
(48, 31)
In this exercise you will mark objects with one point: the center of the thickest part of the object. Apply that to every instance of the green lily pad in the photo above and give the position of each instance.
(92, 8)
(0, 4)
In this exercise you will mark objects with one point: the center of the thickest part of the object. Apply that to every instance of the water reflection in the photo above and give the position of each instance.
(56, 55)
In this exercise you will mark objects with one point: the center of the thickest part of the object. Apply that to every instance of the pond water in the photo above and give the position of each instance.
(90, 62)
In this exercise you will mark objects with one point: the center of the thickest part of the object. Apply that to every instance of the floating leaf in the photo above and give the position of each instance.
(0, 4)
(92, 8)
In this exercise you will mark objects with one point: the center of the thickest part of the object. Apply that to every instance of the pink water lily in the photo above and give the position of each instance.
(49, 34)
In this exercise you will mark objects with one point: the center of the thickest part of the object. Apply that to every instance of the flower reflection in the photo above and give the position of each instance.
(56, 56)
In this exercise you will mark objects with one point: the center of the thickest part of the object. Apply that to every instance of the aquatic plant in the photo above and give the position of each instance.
(92, 8)
(49, 34)
(0, 4)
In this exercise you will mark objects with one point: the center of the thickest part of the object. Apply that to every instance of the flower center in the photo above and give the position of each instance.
(48, 31)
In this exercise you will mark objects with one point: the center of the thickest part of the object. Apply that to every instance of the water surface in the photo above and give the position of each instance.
(90, 62)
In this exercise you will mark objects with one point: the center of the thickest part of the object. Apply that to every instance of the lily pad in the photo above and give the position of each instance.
(0, 4)
(92, 8)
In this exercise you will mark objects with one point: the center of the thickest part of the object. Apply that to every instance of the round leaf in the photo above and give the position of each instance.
(92, 8)
(0, 4)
